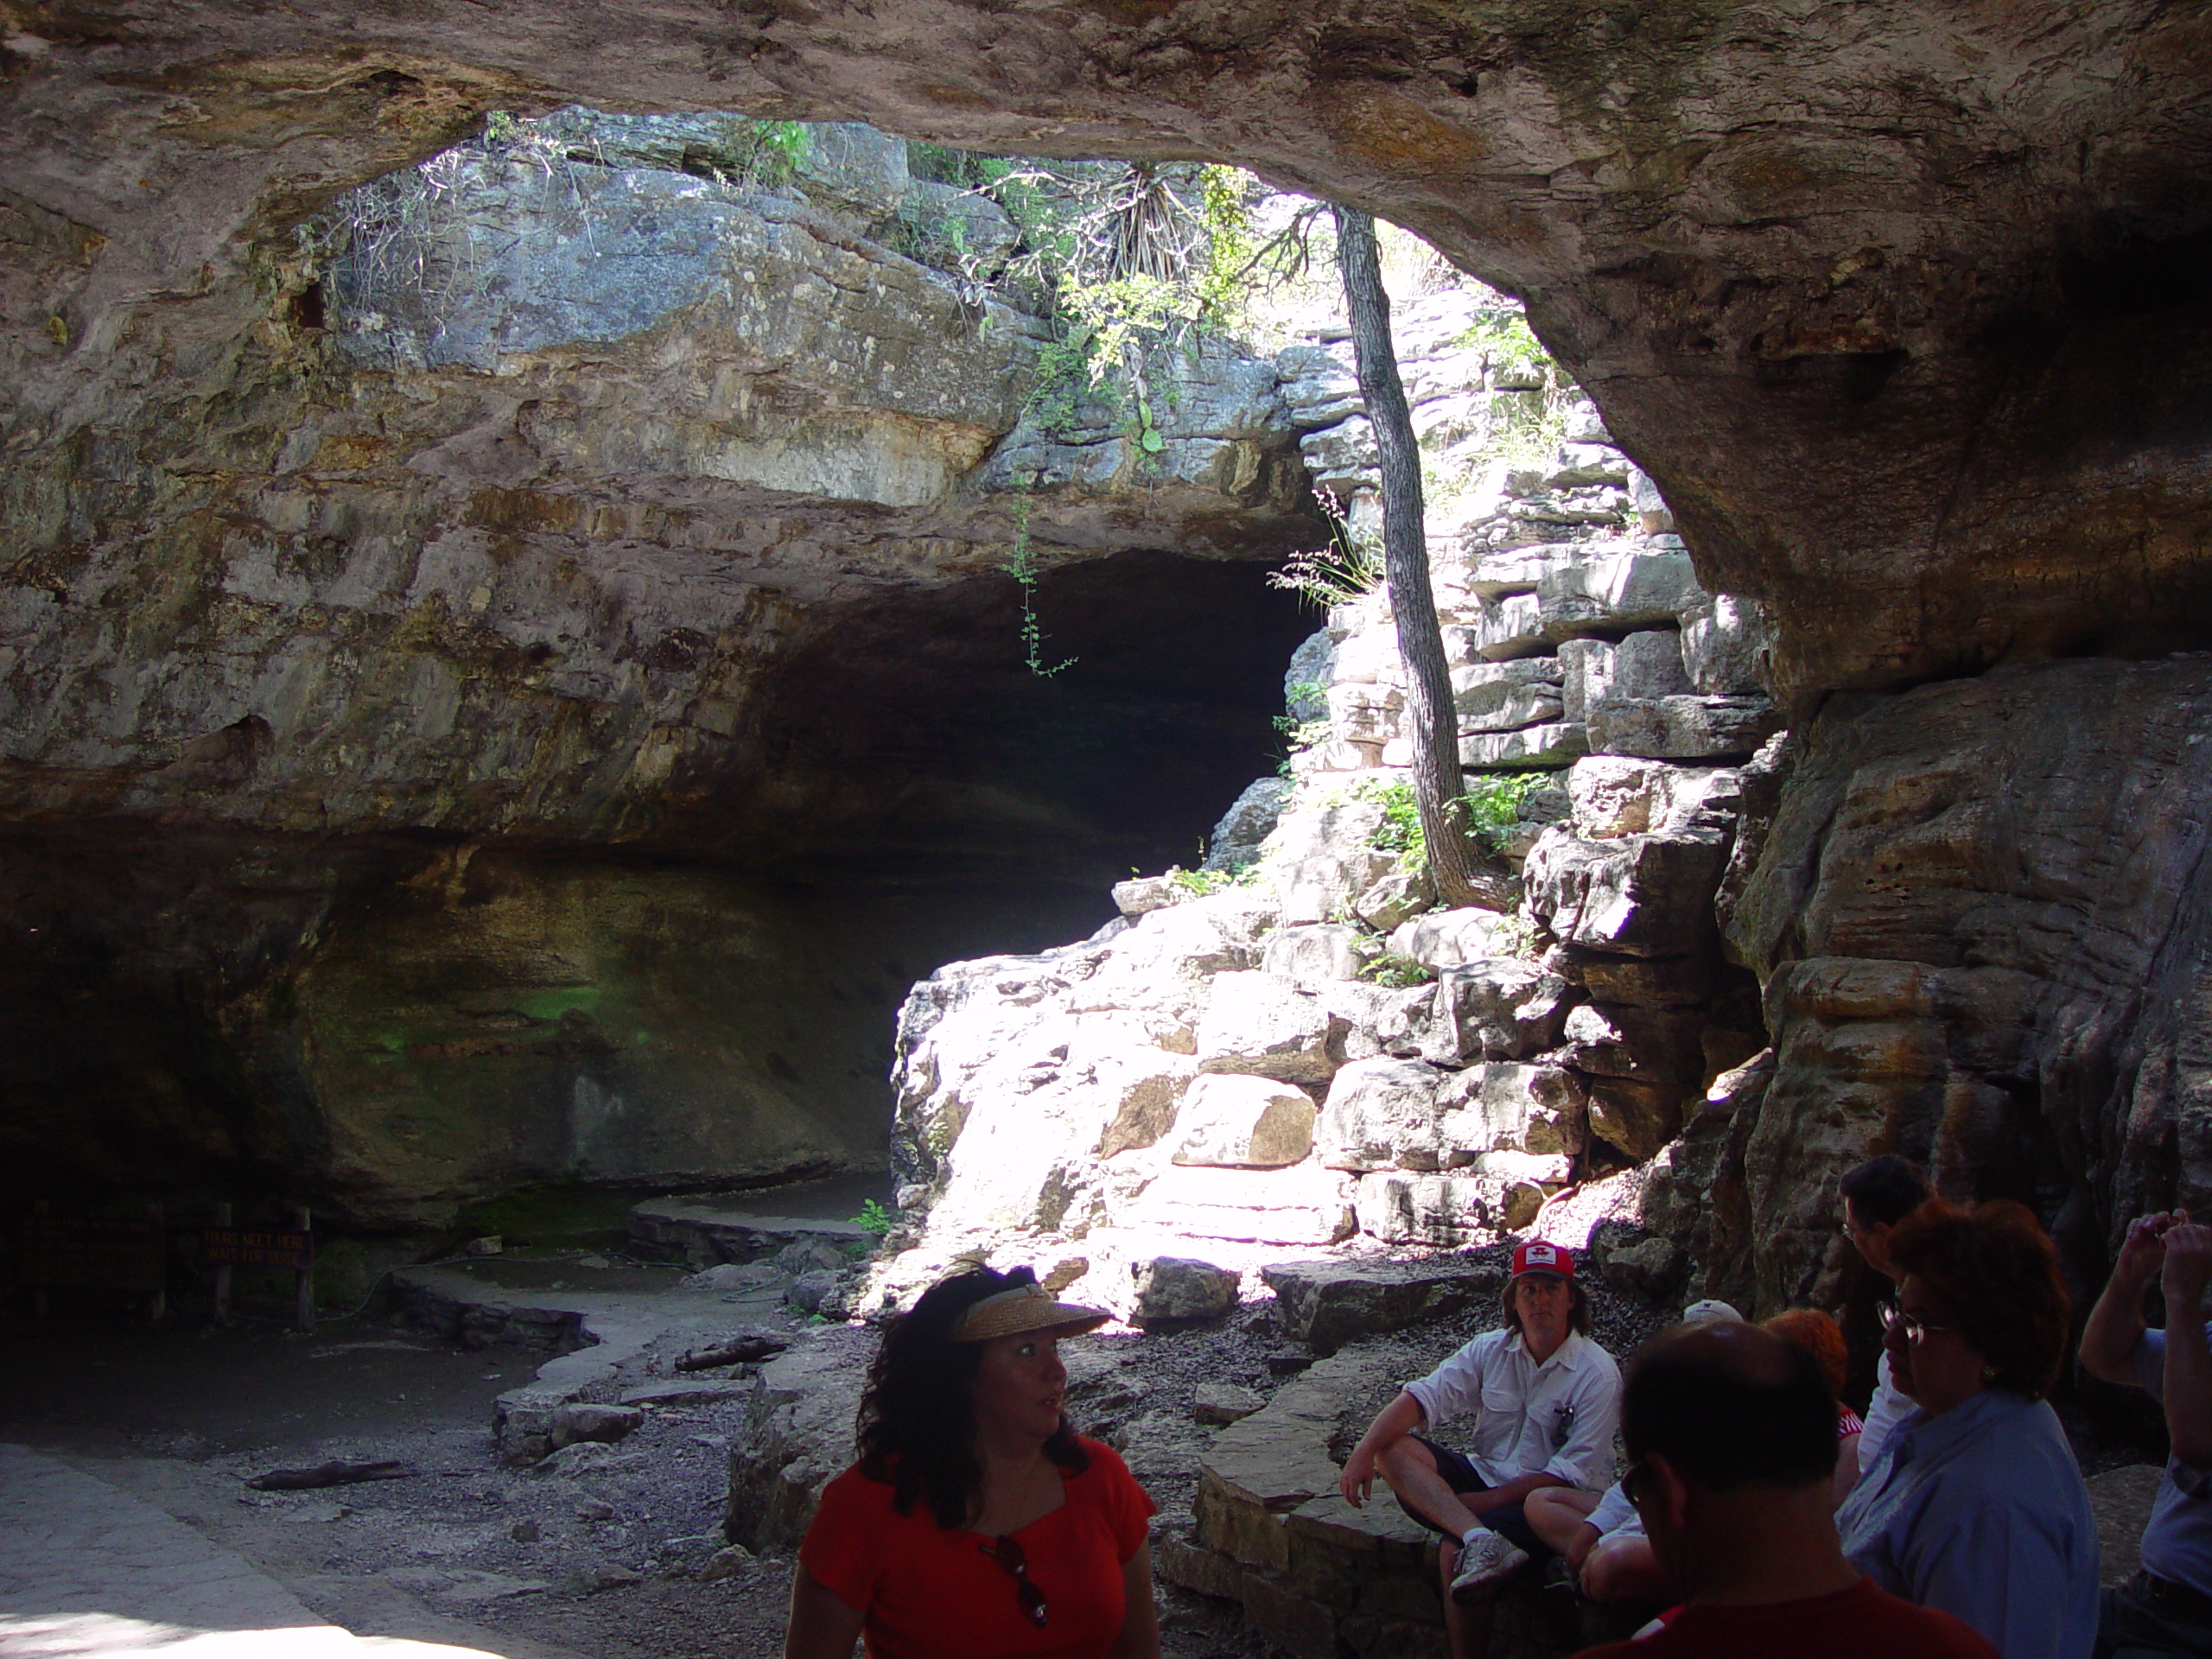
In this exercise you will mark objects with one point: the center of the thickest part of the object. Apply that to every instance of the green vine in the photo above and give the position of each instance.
(1020, 563)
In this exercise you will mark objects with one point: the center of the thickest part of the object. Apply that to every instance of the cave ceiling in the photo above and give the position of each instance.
(1908, 307)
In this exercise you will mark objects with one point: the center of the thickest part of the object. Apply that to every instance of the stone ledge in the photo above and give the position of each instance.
(1321, 1579)
(708, 1231)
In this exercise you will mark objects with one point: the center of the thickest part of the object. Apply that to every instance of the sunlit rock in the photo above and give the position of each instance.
(1244, 1123)
(1264, 1025)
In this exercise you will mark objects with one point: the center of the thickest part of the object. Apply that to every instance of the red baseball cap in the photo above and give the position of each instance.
(1537, 1256)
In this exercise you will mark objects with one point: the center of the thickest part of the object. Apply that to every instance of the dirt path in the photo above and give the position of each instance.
(602, 1564)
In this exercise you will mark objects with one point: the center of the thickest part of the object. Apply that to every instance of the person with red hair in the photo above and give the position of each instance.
(1976, 1506)
(1822, 1338)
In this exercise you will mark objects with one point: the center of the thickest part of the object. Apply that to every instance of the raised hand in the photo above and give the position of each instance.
(2143, 1253)
(2186, 1269)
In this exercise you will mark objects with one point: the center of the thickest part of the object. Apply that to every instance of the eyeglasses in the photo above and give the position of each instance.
(1632, 1480)
(1917, 1330)
(1007, 1554)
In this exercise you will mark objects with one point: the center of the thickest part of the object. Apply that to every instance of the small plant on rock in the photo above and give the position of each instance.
(1349, 567)
(1397, 972)
(1492, 807)
(875, 1218)
(1200, 884)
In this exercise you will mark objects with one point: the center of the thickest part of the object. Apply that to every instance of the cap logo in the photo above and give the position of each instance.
(1541, 1256)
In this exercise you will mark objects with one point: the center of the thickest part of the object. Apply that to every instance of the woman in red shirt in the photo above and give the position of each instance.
(977, 1524)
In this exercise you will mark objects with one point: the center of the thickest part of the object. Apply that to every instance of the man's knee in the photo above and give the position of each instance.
(1624, 1570)
(1402, 1457)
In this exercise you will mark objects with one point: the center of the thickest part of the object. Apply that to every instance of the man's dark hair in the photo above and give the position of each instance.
(1885, 1190)
(916, 1425)
(1731, 1405)
(1577, 1307)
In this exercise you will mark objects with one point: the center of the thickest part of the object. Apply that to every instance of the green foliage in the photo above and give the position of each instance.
(1020, 563)
(1225, 221)
(1396, 972)
(1487, 812)
(1492, 807)
(1529, 426)
(1506, 340)
(774, 151)
(875, 1218)
(1127, 261)
(1299, 735)
(1400, 833)
(1200, 883)
(1349, 567)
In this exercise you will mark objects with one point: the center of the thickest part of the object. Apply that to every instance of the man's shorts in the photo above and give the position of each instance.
(1507, 1520)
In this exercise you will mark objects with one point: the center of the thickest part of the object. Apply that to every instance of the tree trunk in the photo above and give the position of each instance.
(1431, 718)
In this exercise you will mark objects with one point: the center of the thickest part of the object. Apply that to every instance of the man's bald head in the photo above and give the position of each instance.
(1729, 1405)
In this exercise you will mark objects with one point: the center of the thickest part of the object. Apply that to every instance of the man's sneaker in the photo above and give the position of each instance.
(1484, 1562)
(1559, 1576)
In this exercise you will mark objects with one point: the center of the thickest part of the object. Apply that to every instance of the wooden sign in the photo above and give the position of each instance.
(242, 1247)
(91, 1253)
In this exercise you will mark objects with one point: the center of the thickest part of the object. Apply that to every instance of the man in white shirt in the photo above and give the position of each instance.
(1878, 1195)
(1545, 1399)
(2166, 1608)
(1600, 1540)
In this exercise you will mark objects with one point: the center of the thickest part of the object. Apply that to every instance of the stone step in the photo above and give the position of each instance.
(740, 1227)
(1304, 1204)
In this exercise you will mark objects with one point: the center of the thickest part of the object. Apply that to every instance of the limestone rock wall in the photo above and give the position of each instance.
(1293, 1047)
(1940, 278)
(1978, 913)
(570, 507)
(1906, 311)
(508, 547)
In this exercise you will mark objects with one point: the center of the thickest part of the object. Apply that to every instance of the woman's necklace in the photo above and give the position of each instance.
(1012, 1498)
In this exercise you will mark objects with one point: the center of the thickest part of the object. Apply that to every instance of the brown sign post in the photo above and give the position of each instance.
(225, 1246)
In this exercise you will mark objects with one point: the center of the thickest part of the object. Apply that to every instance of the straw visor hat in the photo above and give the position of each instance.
(1025, 1307)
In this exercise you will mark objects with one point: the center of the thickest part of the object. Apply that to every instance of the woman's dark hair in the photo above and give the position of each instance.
(1996, 1271)
(1885, 1190)
(1577, 1309)
(917, 1424)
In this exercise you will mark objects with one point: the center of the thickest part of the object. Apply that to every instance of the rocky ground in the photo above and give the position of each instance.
(614, 1551)
(602, 1556)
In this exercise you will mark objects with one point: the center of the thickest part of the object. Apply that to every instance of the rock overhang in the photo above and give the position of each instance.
(1901, 259)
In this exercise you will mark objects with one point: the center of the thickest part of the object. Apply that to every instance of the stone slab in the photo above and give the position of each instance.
(711, 1229)
(1305, 1204)
(1325, 1304)
(88, 1569)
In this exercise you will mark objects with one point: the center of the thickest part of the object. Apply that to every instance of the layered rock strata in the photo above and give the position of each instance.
(471, 736)
(1293, 1047)
(1942, 277)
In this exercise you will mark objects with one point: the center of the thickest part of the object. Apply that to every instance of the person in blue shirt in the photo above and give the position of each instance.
(2166, 1608)
(1976, 1506)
